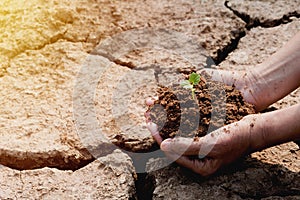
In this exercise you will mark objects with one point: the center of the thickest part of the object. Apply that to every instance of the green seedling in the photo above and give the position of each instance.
(194, 79)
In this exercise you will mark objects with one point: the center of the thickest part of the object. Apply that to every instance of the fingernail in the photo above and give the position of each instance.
(152, 127)
(166, 145)
(149, 101)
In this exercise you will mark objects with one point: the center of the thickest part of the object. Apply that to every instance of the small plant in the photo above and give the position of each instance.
(194, 79)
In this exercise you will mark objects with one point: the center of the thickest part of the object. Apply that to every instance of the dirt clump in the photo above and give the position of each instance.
(215, 105)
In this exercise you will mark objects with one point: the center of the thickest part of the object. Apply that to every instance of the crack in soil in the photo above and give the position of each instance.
(144, 185)
(53, 40)
(32, 161)
(293, 192)
(252, 22)
(223, 53)
(129, 65)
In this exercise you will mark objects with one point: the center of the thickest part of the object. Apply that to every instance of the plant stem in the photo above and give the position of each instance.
(193, 93)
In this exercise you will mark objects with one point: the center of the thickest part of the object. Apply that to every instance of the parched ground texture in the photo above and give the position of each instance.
(45, 44)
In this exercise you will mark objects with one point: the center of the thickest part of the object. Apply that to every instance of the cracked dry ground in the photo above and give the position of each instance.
(44, 44)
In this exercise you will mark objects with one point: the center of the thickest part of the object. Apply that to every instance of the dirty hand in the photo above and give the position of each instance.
(214, 150)
(244, 81)
(226, 144)
(259, 82)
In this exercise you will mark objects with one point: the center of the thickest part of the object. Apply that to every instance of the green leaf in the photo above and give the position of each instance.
(186, 84)
(194, 78)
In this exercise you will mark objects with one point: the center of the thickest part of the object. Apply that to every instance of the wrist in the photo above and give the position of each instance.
(273, 128)
(256, 130)
(247, 83)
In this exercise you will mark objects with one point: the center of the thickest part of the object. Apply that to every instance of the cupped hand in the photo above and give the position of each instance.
(245, 82)
(205, 155)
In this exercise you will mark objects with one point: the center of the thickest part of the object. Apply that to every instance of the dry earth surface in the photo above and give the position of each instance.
(268, 13)
(270, 174)
(109, 177)
(44, 45)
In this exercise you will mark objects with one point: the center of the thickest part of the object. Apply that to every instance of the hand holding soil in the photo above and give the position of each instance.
(263, 85)
(229, 143)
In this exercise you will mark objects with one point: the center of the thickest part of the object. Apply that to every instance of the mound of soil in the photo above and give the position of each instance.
(176, 112)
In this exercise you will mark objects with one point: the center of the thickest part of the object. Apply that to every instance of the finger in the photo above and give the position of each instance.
(203, 167)
(152, 127)
(227, 77)
(182, 146)
(150, 101)
(147, 116)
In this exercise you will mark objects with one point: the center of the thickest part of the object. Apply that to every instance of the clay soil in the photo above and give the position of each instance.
(43, 46)
(177, 113)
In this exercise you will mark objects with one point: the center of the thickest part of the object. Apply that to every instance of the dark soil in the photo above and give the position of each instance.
(176, 112)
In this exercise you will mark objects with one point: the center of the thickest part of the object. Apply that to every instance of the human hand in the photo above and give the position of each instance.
(259, 82)
(215, 150)
(244, 81)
